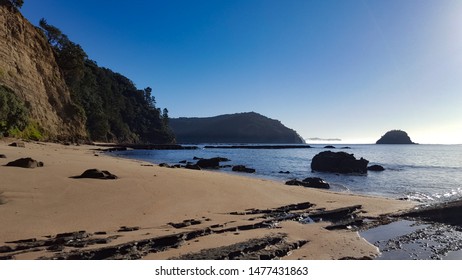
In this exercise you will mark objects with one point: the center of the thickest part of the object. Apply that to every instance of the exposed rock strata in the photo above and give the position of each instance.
(28, 67)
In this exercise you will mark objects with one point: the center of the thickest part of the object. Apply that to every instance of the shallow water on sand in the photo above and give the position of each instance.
(408, 240)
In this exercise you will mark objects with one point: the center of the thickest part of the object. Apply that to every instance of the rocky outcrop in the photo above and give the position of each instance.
(447, 212)
(339, 162)
(395, 137)
(266, 248)
(28, 67)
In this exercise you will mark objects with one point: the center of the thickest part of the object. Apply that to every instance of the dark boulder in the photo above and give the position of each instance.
(315, 182)
(25, 163)
(242, 168)
(96, 174)
(329, 147)
(375, 167)
(18, 144)
(284, 172)
(192, 167)
(310, 182)
(338, 162)
(2, 156)
(211, 162)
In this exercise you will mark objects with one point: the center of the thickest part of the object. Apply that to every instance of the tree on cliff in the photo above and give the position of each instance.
(70, 56)
(115, 109)
(15, 3)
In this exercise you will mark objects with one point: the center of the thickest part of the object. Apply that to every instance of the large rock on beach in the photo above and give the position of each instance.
(25, 163)
(338, 162)
(96, 174)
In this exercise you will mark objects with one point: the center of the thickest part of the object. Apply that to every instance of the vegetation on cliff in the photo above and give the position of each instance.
(13, 113)
(395, 137)
(233, 128)
(64, 95)
(114, 108)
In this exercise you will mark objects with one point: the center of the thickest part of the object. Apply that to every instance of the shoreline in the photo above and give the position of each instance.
(148, 202)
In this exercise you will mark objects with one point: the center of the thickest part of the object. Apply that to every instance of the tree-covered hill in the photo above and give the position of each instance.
(233, 128)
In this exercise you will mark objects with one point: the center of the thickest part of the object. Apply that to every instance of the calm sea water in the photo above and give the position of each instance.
(426, 173)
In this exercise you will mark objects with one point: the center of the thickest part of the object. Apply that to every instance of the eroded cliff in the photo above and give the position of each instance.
(29, 68)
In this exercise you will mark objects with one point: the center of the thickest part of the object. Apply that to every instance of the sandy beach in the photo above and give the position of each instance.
(148, 204)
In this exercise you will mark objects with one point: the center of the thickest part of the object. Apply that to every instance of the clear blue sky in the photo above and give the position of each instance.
(331, 69)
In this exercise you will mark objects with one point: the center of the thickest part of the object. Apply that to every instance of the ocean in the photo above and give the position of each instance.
(424, 173)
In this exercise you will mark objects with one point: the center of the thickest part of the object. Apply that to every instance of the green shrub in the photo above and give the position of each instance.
(31, 132)
(13, 113)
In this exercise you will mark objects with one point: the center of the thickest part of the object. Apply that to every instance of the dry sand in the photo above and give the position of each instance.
(45, 201)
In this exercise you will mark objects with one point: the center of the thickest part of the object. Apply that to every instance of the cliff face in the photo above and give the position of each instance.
(234, 128)
(28, 67)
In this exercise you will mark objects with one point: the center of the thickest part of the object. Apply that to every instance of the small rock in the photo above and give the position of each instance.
(192, 166)
(2, 156)
(25, 163)
(375, 167)
(127, 229)
(96, 174)
(242, 168)
(329, 147)
(315, 182)
(310, 182)
(284, 172)
(18, 144)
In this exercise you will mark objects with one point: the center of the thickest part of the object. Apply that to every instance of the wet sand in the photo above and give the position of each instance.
(152, 212)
